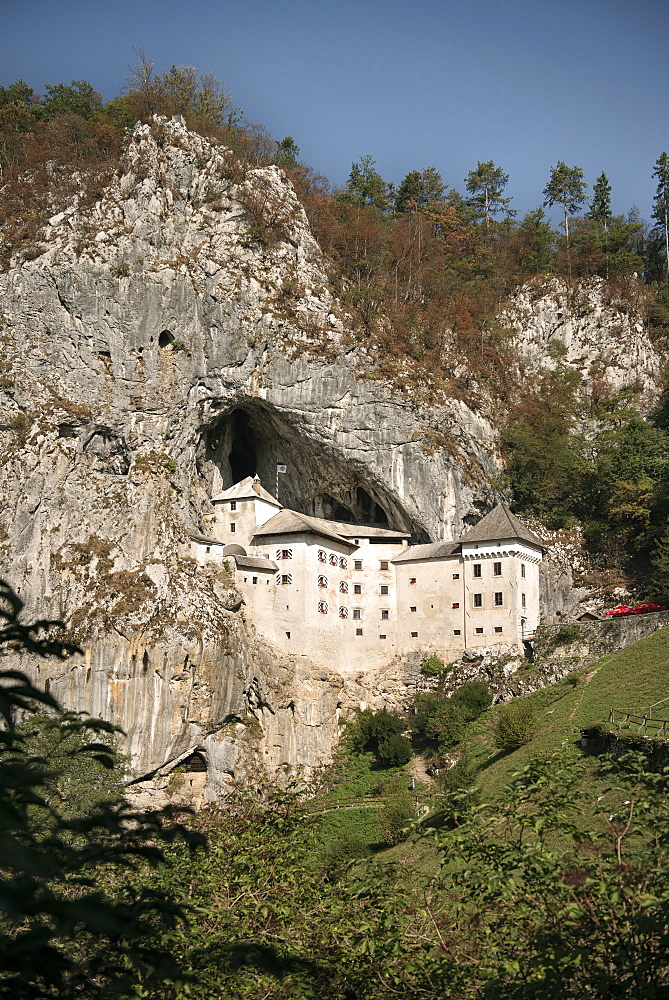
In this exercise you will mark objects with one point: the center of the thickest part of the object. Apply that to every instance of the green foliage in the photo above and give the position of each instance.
(600, 206)
(432, 666)
(516, 724)
(64, 931)
(365, 186)
(397, 811)
(379, 733)
(474, 697)
(79, 98)
(438, 722)
(566, 187)
(486, 185)
(419, 189)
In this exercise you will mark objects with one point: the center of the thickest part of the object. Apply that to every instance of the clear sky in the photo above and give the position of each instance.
(414, 83)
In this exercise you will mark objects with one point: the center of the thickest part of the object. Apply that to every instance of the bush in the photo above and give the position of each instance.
(397, 811)
(395, 751)
(439, 721)
(370, 731)
(432, 666)
(516, 725)
(474, 697)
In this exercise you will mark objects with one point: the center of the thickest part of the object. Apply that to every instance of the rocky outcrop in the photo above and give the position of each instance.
(173, 336)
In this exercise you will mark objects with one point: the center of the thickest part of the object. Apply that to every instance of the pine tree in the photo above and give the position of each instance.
(566, 187)
(365, 186)
(486, 185)
(419, 189)
(600, 206)
(661, 205)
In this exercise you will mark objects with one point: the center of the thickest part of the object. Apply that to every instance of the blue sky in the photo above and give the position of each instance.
(414, 83)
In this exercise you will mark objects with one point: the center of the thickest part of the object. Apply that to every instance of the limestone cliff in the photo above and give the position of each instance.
(175, 335)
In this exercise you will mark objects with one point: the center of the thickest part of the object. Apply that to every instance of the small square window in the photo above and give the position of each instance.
(414, 635)
(385, 615)
(384, 590)
(455, 604)
(456, 631)
(412, 609)
(382, 637)
(456, 576)
(412, 579)
(499, 599)
(496, 569)
(287, 635)
(358, 631)
(357, 564)
(209, 548)
(233, 505)
(356, 541)
(286, 578)
(357, 613)
(498, 629)
(478, 600)
(233, 527)
(254, 579)
(286, 553)
(479, 631)
(477, 569)
(357, 588)
(245, 579)
(384, 564)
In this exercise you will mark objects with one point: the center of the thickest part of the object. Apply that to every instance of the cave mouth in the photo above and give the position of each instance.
(252, 439)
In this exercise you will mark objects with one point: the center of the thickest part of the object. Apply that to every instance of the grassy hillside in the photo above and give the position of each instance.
(635, 678)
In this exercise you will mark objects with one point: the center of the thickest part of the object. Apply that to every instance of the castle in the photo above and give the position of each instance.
(352, 596)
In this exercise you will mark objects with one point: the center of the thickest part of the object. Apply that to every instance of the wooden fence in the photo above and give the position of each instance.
(640, 722)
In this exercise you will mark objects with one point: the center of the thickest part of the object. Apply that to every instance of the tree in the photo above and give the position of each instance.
(661, 204)
(79, 98)
(287, 152)
(381, 734)
(365, 186)
(419, 189)
(600, 206)
(486, 185)
(516, 724)
(64, 931)
(474, 697)
(566, 187)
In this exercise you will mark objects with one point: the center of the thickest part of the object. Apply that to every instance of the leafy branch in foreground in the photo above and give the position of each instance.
(61, 934)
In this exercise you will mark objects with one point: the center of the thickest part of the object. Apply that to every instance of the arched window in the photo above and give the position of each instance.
(343, 587)
(322, 581)
(343, 612)
(343, 563)
(322, 555)
(334, 561)
(323, 607)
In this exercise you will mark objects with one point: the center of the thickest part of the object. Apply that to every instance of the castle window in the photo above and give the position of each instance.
(499, 599)
(477, 569)
(233, 527)
(322, 557)
(333, 559)
(284, 553)
(412, 609)
(384, 564)
(254, 579)
(357, 564)
(286, 578)
(478, 600)
(479, 631)
(358, 631)
(287, 635)
(412, 579)
(343, 612)
(322, 581)
(209, 548)
(323, 607)
(385, 615)
(523, 601)
(414, 635)
(455, 604)
(357, 588)
(456, 631)
(382, 637)
(522, 570)
(233, 505)
(384, 589)
(456, 576)
(498, 629)
(343, 563)
(497, 569)
(357, 613)
(343, 587)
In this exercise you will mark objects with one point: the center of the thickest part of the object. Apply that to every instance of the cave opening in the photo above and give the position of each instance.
(242, 455)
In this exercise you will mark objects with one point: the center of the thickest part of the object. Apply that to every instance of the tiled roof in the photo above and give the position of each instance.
(255, 562)
(348, 530)
(500, 524)
(431, 550)
(290, 522)
(248, 489)
(203, 540)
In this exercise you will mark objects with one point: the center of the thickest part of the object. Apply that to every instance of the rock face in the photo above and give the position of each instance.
(175, 336)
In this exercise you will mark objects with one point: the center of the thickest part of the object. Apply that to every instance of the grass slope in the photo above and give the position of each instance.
(635, 678)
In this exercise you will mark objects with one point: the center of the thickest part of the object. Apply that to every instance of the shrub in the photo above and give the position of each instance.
(371, 731)
(395, 751)
(432, 666)
(516, 725)
(397, 811)
(438, 721)
(474, 697)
